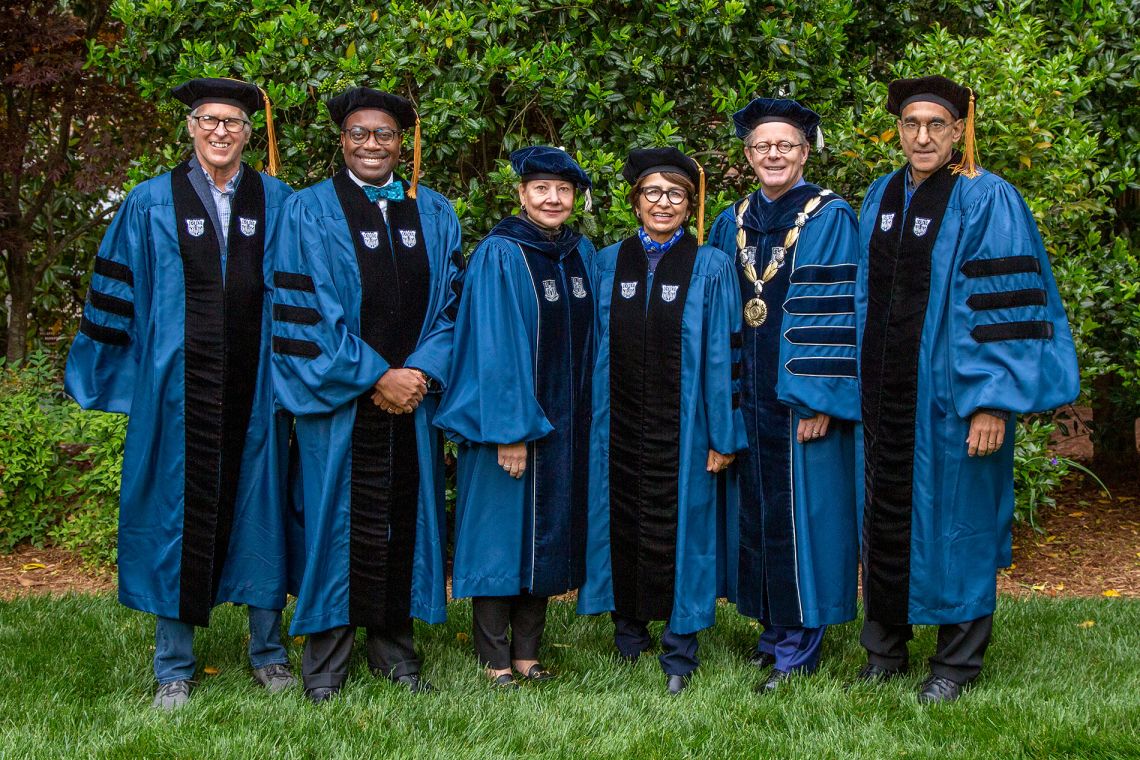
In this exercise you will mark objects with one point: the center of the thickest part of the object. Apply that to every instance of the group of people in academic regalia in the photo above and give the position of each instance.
(655, 425)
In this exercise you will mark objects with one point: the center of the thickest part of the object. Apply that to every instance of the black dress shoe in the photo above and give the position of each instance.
(937, 689)
(414, 683)
(506, 682)
(762, 660)
(537, 673)
(872, 673)
(321, 694)
(676, 684)
(774, 680)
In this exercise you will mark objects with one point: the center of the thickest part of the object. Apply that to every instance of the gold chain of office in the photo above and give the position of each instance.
(756, 311)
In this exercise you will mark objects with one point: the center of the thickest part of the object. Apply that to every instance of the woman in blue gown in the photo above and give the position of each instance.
(518, 404)
(666, 418)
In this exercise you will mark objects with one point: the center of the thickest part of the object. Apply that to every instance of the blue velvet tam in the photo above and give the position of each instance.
(934, 89)
(358, 98)
(545, 162)
(230, 92)
(764, 110)
(645, 161)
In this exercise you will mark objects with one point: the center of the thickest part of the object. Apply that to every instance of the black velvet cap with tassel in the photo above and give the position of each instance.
(955, 98)
(401, 109)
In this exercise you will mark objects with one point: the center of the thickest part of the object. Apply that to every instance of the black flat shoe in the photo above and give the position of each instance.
(414, 683)
(762, 660)
(878, 674)
(676, 684)
(505, 682)
(774, 680)
(321, 694)
(537, 673)
(937, 689)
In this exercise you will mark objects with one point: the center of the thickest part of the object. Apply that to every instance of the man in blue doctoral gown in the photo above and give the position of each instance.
(793, 544)
(960, 327)
(518, 403)
(666, 418)
(365, 294)
(175, 333)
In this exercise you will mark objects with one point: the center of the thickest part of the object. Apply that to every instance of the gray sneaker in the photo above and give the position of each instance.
(275, 678)
(171, 696)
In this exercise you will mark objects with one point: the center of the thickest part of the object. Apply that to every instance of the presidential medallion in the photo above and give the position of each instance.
(755, 312)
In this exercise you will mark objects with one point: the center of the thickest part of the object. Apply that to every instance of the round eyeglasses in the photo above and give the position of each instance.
(783, 146)
(384, 136)
(675, 195)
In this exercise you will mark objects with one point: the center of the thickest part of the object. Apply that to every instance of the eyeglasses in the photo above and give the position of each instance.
(210, 123)
(934, 128)
(676, 195)
(783, 146)
(359, 135)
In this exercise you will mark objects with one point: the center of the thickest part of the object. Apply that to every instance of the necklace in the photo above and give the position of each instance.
(756, 311)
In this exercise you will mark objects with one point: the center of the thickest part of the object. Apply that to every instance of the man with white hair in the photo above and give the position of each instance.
(175, 333)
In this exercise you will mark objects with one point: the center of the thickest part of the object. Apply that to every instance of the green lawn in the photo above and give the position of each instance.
(75, 681)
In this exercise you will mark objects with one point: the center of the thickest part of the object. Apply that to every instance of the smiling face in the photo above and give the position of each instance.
(778, 172)
(370, 161)
(661, 218)
(218, 151)
(548, 202)
(928, 132)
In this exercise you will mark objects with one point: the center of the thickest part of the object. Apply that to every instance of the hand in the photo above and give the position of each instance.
(812, 428)
(718, 461)
(987, 433)
(512, 458)
(399, 390)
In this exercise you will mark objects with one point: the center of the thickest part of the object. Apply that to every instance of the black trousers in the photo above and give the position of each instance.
(491, 617)
(678, 650)
(325, 660)
(957, 656)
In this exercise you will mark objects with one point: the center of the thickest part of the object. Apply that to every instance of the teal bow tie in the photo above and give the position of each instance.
(393, 191)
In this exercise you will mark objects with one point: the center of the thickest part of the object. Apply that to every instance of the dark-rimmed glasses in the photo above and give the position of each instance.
(359, 135)
(675, 195)
(210, 123)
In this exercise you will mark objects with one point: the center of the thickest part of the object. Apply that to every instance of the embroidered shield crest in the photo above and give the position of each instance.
(669, 292)
(247, 226)
(577, 287)
(551, 290)
(628, 289)
(886, 221)
(748, 256)
(778, 252)
(920, 225)
(371, 239)
(196, 227)
(408, 238)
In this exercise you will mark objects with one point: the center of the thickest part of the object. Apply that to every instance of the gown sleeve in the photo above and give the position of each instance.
(318, 365)
(433, 355)
(818, 366)
(722, 343)
(102, 365)
(490, 398)
(1011, 347)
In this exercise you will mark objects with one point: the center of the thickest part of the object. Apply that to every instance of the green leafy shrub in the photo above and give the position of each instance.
(59, 465)
(1037, 471)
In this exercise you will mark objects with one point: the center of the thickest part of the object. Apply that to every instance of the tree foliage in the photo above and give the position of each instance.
(67, 134)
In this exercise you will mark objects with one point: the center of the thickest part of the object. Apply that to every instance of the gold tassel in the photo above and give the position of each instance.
(274, 158)
(700, 203)
(415, 160)
(968, 165)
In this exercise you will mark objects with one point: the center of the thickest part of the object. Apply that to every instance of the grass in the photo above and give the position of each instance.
(75, 681)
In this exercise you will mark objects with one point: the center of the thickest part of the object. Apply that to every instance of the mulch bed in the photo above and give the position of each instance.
(49, 571)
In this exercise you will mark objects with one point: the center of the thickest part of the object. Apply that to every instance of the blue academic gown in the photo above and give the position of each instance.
(975, 322)
(188, 466)
(704, 415)
(322, 368)
(792, 536)
(521, 373)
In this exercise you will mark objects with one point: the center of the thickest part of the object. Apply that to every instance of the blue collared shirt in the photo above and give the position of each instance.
(218, 203)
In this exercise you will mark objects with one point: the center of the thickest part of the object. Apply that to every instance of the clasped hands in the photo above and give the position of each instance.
(399, 390)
